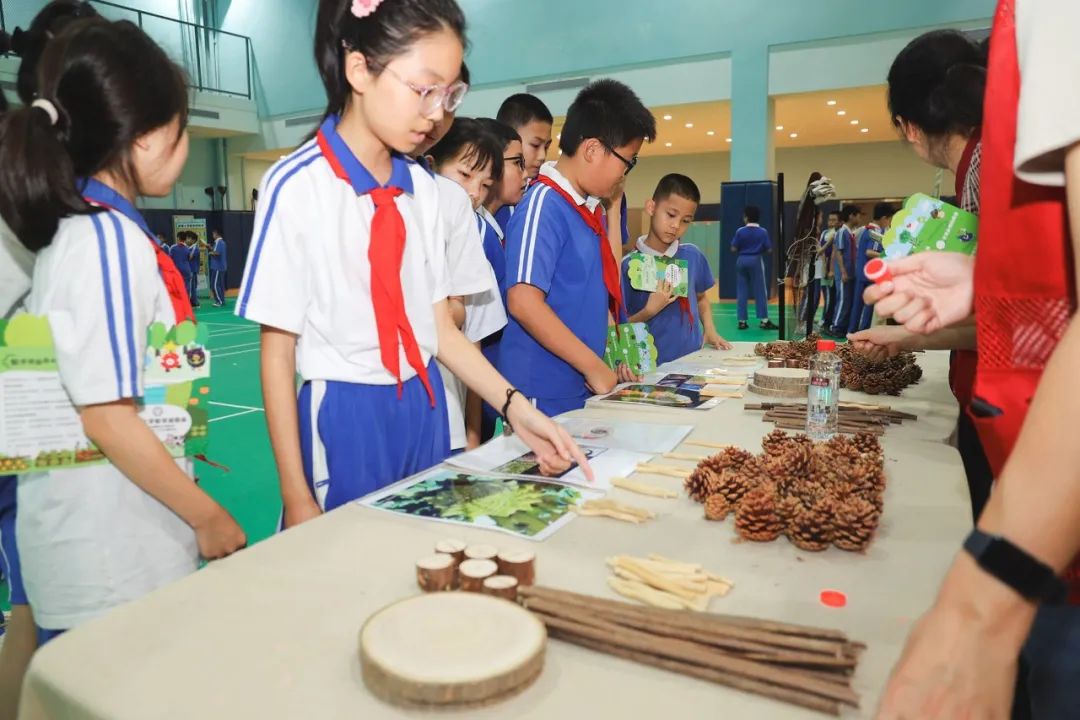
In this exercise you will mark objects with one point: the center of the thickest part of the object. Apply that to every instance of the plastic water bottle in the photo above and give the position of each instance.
(823, 396)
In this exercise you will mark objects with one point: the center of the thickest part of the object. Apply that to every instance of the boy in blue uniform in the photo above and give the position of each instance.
(562, 272)
(869, 247)
(812, 297)
(195, 262)
(679, 326)
(843, 262)
(181, 257)
(750, 243)
(219, 263)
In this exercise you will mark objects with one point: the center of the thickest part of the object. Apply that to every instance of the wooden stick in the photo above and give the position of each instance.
(680, 473)
(707, 444)
(793, 697)
(604, 512)
(713, 380)
(683, 456)
(706, 392)
(641, 488)
(642, 592)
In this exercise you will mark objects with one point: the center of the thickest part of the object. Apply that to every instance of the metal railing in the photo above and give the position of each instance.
(216, 61)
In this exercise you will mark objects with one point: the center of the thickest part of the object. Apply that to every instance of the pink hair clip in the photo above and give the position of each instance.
(363, 8)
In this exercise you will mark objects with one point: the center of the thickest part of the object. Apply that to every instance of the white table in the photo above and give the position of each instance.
(271, 632)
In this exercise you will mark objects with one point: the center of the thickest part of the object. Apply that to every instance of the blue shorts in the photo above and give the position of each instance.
(356, 439)
(9, 552)
(553, 407)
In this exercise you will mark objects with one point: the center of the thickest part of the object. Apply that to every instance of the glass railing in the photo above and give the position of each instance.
(215, 60)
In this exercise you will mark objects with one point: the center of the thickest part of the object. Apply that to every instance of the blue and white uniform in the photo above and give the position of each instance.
(181, 257)
(195, 265)
(89, 538)
(550, 246)
(843, 259)
(308, 273)
(862, 314)
(751, 242)
(219, 264)
(495, 252)
(675, 333)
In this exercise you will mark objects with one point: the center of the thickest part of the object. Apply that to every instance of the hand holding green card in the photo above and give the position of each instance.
(646, 272)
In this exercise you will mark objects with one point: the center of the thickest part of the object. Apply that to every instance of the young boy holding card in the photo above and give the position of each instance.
(679, 324)
(562, 272)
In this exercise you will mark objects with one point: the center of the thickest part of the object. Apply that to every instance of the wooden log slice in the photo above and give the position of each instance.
(436, 573)
(452, 546)
(473, 573)
(481, 552)
(520, 564)
(782, 378)
(451, 649)
(772, 392)
(502, 586)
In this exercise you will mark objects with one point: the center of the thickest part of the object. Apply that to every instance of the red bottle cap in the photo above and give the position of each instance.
(877, 271)
(826, 345)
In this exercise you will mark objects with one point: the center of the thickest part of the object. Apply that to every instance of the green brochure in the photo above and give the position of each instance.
(646, 272)
(633, 345)
(40, 429)
(925, 224)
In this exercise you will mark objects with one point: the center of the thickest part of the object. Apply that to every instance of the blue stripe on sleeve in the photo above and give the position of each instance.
(109, 316)
(125, 288)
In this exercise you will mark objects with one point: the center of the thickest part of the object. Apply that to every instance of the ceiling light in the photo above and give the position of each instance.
(841, 113)
(710, 133)
(667, 144)
(865, 130)
(689, 125)
(667, 117)
(830, 103)
(854, 122)
(793, 135)
(559, 136)
(727, 139)
(779, 127)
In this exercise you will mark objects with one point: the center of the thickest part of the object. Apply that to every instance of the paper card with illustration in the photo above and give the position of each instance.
(633, 344)
(624, 435)
(533, 509)
(928, 224)
(39, 428)
(508, 455)
(671, 391)
(647, 271)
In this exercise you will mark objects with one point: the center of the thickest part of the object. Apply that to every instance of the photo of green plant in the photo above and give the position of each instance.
(529, 508)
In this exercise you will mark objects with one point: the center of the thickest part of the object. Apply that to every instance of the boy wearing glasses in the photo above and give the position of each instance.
(562, 275)
(679, 325)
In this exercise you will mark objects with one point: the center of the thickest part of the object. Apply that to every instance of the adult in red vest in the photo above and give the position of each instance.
(960, 659)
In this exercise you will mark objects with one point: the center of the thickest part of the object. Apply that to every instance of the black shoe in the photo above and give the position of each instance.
(743, 325)
(768, 325)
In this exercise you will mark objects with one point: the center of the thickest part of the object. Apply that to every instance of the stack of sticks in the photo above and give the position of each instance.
(855, 418)
(804, 666)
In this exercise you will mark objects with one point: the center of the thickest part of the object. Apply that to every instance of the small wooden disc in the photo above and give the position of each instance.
(472, 573)
(453, 547)
(781, 382)
(451, 649)
(481, 552)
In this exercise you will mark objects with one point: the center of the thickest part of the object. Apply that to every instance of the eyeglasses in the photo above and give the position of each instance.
(432, 96)
(518, 160)
(630, 164)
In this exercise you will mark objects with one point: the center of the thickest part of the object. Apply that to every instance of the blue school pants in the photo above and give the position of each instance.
(9, 551)
(845, 291)
(861, 313)
(217, 286)
(750, 274)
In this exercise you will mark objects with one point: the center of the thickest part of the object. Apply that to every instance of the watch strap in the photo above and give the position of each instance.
(1021, 571)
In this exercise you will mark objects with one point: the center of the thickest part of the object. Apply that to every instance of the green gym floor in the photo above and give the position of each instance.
(238, 438)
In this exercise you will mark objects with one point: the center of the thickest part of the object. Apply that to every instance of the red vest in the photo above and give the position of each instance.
(1022, 308)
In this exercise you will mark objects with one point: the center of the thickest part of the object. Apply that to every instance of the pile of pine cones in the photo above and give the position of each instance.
(858, 373)
(818, 494)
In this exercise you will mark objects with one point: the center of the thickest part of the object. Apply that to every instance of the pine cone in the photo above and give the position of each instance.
(867, 445)
(716, 508)
(775, 442)
(758, 517)
(790, 467)
(735, 484)
(703, 482)
(759, 349)
(810, 527)
(873, 384)
(856, 522)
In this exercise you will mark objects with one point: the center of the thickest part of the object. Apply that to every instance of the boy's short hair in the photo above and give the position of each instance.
(676, 184)
(608, 111)
(480, 145)
(835, 212)
(848, 211)
(500, 130)
(752, 213)
(884, 210)
(519, 110)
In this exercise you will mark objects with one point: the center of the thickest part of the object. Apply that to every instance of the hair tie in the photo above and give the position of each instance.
(363, 8)
(48, 108)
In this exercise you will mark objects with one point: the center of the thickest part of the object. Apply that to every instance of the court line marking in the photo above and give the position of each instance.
(241, 346)
(231, 405)
(238, 323)
(233, 415)
(237, 352)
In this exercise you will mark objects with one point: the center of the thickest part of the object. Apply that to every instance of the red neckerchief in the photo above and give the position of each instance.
(385, 252)
(1022, 309)
(607, 259)
(170, 276)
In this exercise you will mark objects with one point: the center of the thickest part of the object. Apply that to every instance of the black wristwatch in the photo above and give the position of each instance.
(1027, 575)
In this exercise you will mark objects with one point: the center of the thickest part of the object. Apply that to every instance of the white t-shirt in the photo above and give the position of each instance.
(89, 538)
(308, 273)
(1048, 118)
(16, 265)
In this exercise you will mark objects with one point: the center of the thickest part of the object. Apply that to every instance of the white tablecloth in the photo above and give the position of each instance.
(271, 632)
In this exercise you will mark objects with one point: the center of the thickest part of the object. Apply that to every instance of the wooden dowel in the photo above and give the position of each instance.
(792, 697)
(706, 444)
(682, 473)
(683, 456)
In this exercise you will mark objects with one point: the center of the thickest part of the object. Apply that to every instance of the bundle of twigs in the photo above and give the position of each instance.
(855, 418)
(804, 666)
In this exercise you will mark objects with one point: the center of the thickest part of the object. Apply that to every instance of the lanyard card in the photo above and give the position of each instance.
(646, 272)
(39, 427)
(928, 224)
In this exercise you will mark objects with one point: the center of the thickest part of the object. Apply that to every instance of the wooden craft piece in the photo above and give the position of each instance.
(436, 573)
(653, 469)
(740, 381)
(452, 546)
(520, 564)
(643, 488)
(481, 552)
(780, 382)
(451, 649)
(715, 393)
(683, 456)
(473, 573)
(502, 586)
(707, 444)
(612, 509)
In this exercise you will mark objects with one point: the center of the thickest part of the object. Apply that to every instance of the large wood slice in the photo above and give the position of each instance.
(781, 382)
(455, 649)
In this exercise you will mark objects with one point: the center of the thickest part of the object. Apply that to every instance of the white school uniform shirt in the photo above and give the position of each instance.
(484, 312)
(308, 273)
(16, 266)
(89, 538)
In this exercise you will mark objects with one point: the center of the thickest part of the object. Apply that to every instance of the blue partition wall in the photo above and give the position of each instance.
(734, 196)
